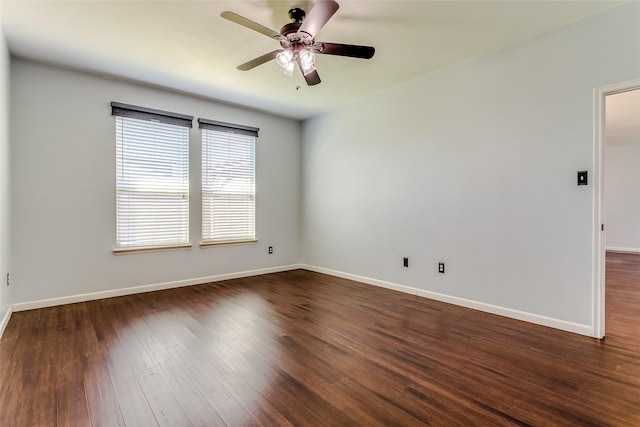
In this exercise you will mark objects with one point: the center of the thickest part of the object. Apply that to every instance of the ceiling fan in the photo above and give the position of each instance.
(297, 41)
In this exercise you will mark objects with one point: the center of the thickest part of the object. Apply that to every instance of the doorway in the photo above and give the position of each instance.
(617, 216)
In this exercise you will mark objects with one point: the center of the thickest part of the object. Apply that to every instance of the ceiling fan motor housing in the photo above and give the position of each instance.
(291, 27)
(295, 39)
(297, 15)
(291, 38)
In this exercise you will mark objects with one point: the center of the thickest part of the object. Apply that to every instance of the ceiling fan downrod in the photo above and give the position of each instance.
(296, 15)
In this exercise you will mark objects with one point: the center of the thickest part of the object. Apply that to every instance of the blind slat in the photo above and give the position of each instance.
(228, 183)
(152, 183)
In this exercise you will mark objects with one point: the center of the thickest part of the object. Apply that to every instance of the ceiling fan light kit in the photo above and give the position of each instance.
(285, 61)
(297, 41)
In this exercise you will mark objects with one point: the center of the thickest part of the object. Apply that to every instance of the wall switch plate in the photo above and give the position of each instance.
(270, 249)
(405, 262)
(441, 267)
(582, 178)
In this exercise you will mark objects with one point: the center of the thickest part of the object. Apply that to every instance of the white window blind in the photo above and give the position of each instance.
(228, 182)
(152, 178)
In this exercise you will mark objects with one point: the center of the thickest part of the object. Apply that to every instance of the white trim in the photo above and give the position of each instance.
(5, 320)
(489, 308)
(599, 146)
(476, 305)
(140, 249)
(50, 302)
(597, 286)
(622, 250)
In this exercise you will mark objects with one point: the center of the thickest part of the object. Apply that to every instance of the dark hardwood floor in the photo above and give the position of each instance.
(305, 349)
(622, 319)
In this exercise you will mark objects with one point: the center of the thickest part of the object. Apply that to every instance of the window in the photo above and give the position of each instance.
(152, 178)
(228, 182)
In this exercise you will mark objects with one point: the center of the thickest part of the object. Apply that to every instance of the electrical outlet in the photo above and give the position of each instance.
(270, 250)
(405, 262)
(441, 267)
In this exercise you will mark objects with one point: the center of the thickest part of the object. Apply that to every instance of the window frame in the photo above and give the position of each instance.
(238, 131)
(128, 114)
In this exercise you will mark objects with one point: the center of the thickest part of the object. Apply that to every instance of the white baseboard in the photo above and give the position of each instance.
(489, 308)
(480, 306)
(5, 320)
(622, 249)
(50, 302)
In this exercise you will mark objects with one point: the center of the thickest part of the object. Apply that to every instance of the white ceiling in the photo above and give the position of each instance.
(187, 46)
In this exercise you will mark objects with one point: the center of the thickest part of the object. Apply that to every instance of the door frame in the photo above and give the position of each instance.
(599, 95)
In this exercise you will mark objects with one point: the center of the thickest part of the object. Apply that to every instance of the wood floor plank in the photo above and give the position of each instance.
(16, 377)
(299, 348)
(260, 409)
(206, 374)
(8, 364)
(131, 398)
(176, 372)
(99, 393)
(148, 367)
(8, 346)
(72, 403)
(33, 371)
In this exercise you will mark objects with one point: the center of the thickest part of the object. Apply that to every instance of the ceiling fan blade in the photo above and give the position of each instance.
(312, 78)
(319, 14)
(351, 50)
(258, 61)
(241, 20)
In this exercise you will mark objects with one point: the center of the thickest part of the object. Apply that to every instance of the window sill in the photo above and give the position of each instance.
(228, 242)
(122, 251)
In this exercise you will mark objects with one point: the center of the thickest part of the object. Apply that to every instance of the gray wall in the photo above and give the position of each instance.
(5, 228)
(622, 197)
(63, 188)
(476, 166)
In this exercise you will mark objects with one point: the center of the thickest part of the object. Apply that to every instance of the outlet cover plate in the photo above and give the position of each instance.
(583, 178)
